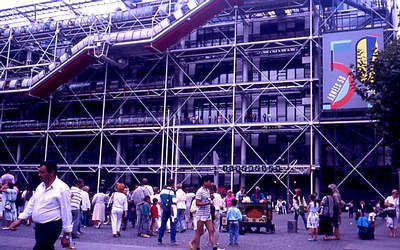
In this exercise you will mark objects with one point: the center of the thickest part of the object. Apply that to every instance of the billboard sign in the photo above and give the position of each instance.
(340, 51)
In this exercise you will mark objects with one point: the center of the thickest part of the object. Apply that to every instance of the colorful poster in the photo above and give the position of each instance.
(340, 52)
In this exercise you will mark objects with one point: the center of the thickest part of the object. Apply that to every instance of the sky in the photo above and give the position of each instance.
(108, 6)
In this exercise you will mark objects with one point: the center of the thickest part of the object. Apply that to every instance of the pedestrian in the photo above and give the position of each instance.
(76, 201)
(146, 217)
(146, 185)
(10, 208)
(85, 206)
(361, 207)
(193, 211)
(392, 212)
(337, 210)
(219, 206)
(6, 178)
(284, 207)
(189, 198)
(300, 205)
(234, 216)
(125, 218)
(26, 196)
(351, 209)
(326, 214)
(50, 209)
(138, 198)
(313, 218)
(157, 196)
(228, 199)
(279, 206)
(131, 208)
(203, 203)
(181, 206)
(99, 209)
(154, 216)
(119, 209)
(168, 198)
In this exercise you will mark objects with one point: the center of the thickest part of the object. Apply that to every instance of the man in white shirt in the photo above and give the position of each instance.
(138, 198)
(85, 206)
(50, 209)
(181, 205)
(240, 194)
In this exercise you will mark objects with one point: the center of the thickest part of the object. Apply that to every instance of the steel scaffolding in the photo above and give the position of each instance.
(137, 111)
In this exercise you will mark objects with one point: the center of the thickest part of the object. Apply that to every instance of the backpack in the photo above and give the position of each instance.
(326, 211)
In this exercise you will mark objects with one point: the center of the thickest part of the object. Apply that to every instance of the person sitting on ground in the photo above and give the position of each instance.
(365, 229)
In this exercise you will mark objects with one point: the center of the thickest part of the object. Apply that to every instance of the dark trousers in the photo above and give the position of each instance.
(85, 219)
(76, 220)
(47, 234)
(303, 216)
(164, 218)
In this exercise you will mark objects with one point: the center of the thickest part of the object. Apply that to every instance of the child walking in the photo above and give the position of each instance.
(146, 217)
(234, 216)
(313, 218)
(154, 216)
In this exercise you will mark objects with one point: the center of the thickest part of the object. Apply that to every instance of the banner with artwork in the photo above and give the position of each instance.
(341, 51)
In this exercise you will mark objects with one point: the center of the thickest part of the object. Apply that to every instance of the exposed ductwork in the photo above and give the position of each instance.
(158, 38)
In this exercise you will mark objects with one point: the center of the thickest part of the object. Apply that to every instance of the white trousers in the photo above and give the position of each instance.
(217, 225)
(116, 219)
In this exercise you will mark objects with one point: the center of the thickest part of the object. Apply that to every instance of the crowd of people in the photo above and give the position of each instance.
(55, 207)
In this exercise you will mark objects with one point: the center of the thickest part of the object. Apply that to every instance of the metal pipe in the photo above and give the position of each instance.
(164, 119)
(102, 127)
(172, 149)
(166, 151)
(311, 98)
(48, 128)
(234, 95)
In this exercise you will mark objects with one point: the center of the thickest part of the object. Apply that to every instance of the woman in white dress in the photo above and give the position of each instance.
(99, 211)
(313, 218)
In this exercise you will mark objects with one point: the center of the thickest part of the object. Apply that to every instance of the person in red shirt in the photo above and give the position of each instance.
(154, 215)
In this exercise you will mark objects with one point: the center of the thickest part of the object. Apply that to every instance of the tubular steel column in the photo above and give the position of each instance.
(1, 114)
(311, 98)
(172, 149)
(101, 130)
(46, 149)
(234, 97)
(164, 119)
(243, 146)
(166, 150)
(243, 152)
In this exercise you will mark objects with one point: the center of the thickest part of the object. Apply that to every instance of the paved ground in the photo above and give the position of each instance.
(101, 239)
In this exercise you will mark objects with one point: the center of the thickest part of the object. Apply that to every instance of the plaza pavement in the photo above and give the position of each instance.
(101, 239)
